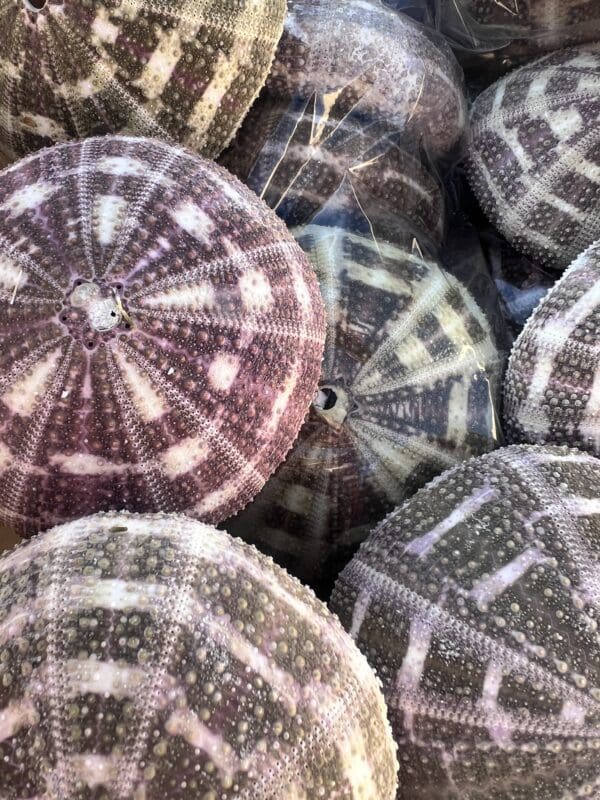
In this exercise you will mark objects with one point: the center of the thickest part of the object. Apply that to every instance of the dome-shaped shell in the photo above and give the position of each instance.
(155, 658)
(182, 70)
(552, 385)
(375, 59)
(535, 145)
(161, 335)
(408, 388)
(477, 604)
(549, 25)
(295, 157)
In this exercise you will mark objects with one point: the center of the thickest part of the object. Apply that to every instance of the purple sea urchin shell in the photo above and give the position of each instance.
(477, 604)
(152, 657)
(184, 71)
(295, 158)
(160, 335)
(552, 386)
(380, 61)
(534, 155)
(407, 389)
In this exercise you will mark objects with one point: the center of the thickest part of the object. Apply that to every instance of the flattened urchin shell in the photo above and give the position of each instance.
(183, 71)
(477, 603)
(408, 388)
(381, 61)
(154, 657)
(161, 335)
(534, 155)
(552, 385)
(295, 158)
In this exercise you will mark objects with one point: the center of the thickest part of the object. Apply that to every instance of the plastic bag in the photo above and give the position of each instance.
(491, 37)
(412, 363)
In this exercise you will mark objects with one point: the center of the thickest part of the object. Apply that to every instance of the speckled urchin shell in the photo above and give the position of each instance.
(295, 157)
(477, 603)
(552, 386)
(534, 154)
(154, 658)
(408, 388)
(377, 60)
(161, 335)
(182, 70)
(548, 24)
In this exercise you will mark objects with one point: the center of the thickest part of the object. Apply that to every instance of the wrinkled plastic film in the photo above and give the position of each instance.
(414, 352)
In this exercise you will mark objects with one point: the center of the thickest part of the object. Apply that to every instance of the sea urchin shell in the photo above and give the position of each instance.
(380, 61)
(477, 603)
(407, 389)
(153, 657)
(552, 386)
(534, 153)
(160, 335)
(183, 70)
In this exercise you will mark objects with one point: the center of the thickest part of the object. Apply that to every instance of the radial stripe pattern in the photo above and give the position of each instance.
(535, 155)
(477, 602)
(160, 335)
(183, 71)
(408, 388)
(146, 657)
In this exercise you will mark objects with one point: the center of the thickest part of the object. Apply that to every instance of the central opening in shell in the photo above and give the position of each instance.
(35, 5)
(104, 311)
(326, 398)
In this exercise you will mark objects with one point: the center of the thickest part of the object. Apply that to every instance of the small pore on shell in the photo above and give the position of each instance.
(332, 405)
(35, 5)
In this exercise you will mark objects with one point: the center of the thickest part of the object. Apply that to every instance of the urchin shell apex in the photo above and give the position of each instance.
(152, 657)
(161, 335)
(408, 388)
(534, 155)
(477, 603)
(552, 385)
(182, 71)
(376, 60)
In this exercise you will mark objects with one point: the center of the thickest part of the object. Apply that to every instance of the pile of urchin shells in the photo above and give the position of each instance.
(261, 269)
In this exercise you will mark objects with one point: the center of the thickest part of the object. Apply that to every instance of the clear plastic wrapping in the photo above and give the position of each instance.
(414, 351)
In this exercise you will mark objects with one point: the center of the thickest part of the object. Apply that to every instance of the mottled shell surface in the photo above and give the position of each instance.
(161, 335)
(155, 658)
(408, 388)
(550, 24)
(183, 71)
(374, 59)
(477, 603)
(552, 386)
(535, 154)
(297, 156)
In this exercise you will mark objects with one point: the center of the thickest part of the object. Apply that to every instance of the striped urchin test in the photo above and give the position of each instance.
(375, 60)
(155, 658)
(161, 335)
(552, 385)
(408, 388)
(477, 603)
(184, 71)
(534, 155)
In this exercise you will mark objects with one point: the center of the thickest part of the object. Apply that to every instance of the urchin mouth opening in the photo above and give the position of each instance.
(35, 5)
(326, 398)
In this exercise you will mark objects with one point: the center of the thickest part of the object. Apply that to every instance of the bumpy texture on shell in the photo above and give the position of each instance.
(161, 335)
(295, 157)
(408, 388)
(535, 155)
(477, 603)
(182, 70)
(153, 657)
(375, 59)
(548, 24)
(552, 386)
